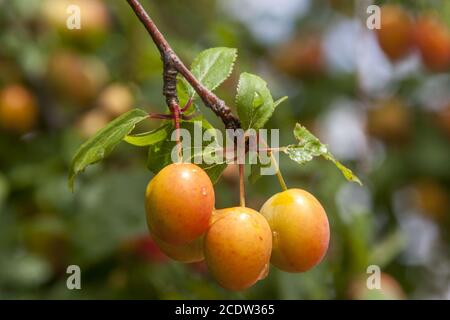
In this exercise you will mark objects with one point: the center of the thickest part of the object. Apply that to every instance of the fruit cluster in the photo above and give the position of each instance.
(291, 230)
(400, 34)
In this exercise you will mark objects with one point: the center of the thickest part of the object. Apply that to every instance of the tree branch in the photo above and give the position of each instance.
(173, 65)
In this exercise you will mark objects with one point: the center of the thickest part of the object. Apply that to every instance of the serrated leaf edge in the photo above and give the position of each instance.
(200, 79)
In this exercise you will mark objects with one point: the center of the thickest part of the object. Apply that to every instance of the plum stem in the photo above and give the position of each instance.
(278, 173)
(175, 109)
(241, 186)
(275, 163)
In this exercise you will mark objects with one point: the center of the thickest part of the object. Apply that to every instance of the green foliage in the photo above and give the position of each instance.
(255, 171)
(148, 138)
(254, 102)
(211, 68)
(101, 144)
(255, 106)
(279, 101)
(160, 153)
(309, 147)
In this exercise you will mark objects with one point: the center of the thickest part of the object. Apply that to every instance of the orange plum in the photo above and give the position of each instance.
(179, 202)
(300, 230)
(237, 247)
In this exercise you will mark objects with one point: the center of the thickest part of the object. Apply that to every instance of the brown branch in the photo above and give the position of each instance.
(173, 65)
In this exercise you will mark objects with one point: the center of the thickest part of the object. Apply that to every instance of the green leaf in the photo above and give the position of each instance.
(159, 154)
(279, 101)
(255, 173)
(148, 138)
(255, 170)
(183, 91)
(104, 141)
(348, 174)
(211, 68)
(304, 136)
(254, 102)
(309, 147)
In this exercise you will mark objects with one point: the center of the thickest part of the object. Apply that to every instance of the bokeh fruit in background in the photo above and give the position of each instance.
(432, 199)
(18, 109)
(116, 99)
(95, 20)
(92, 121)
(389, 289)
(401, 33)
(390, 120)
(78, 78)
(396, 33)
(301, 57)
(433, 40)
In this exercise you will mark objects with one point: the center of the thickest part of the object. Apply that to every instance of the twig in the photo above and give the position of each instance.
(173, 65)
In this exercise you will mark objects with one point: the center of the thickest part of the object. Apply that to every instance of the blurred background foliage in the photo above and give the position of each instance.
(383, 110)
